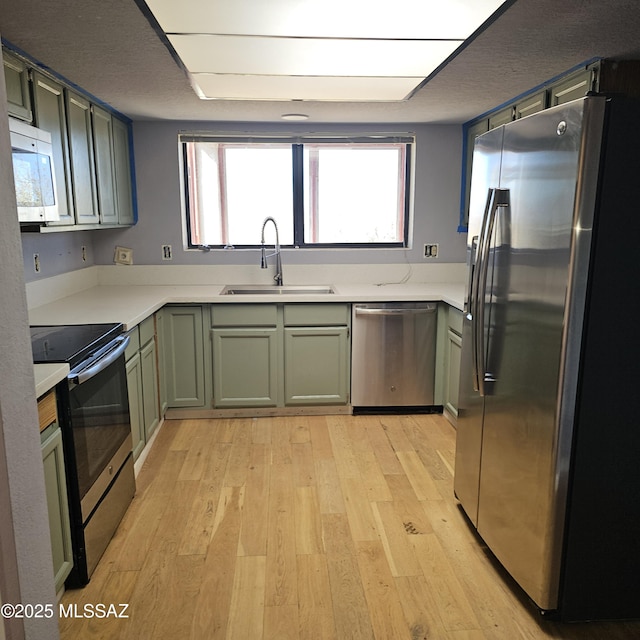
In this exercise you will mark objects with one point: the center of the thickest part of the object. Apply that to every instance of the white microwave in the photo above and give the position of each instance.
(33, 172)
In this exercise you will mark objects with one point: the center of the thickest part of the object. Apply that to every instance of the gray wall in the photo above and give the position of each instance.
(436, 208)
(437, 201)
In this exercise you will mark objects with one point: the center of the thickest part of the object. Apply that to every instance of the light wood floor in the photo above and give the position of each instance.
(308, 527)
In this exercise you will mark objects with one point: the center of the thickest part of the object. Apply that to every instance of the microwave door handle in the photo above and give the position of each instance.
(78, 377)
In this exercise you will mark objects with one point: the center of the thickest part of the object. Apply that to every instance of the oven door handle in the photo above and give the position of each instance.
(79, 375)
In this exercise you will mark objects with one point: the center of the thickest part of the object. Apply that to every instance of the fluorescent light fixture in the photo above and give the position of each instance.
(346, 50)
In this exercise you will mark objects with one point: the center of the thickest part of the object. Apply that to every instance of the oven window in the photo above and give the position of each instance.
(100, 421)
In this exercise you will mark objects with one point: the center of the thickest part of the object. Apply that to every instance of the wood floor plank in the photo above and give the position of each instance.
(328, 485)
(281, 622)
(453, 605)
(400, 554)
(350, 611)
(281, 579)
(246, 614)
(381, 446)
(320, 440)
(315, 611)
(255, 514)
(302, 461)
(308, 522)
(422, 483)
(380, 591)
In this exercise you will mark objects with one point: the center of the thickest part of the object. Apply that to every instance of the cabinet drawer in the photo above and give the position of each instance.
(147, 330)
(316, 315)
(244, 315)
(134, 344)
(455, 320)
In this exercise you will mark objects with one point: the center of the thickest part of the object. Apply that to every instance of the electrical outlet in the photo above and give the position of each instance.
(36, 262)
(166, 252)
(84, 253)
(431, 250)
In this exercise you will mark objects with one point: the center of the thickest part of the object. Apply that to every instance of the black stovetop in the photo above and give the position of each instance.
(70, 343)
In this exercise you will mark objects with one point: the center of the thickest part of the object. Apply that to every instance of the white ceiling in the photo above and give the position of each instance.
(109, 48)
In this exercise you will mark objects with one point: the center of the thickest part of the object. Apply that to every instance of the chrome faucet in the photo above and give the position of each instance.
(263, 260)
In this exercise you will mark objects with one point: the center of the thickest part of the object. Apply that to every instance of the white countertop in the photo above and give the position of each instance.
(131, 304)
(48, 375)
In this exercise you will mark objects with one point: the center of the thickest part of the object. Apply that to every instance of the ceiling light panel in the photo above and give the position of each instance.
(422, 19)
(311, 56)
(285, 88)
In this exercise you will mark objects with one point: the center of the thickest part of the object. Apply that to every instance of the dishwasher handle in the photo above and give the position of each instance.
(394, 311)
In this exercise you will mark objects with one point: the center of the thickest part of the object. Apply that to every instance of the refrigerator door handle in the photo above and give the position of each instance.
(473, 293)
(496, 198)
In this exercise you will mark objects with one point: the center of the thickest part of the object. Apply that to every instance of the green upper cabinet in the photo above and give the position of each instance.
(16, 78)
(122, 168)
(91, 147)
(50, 115)
(105, 170)
(82, 159)
(574, 87)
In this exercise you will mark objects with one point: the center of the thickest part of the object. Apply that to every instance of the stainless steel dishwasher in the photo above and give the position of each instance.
(393, 354)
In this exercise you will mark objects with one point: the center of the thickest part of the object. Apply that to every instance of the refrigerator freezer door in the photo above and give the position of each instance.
(518, 495)
(485, 176)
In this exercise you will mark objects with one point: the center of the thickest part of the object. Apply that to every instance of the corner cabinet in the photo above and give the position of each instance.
(316, 354)
(56, 489)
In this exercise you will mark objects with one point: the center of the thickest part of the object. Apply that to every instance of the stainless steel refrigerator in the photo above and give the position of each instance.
(548, 437)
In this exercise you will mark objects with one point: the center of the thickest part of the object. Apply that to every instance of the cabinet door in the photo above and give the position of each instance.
(50, 115)
(184, 356)
(245, 367)
(316, 365)
(574, 87)
(122, 169)
(531, 105)
(82, 164)
(16, 78)
(105, 173)
(136, 407)
(56, 490)
(452, 372)
(148, 365)
(162, 382)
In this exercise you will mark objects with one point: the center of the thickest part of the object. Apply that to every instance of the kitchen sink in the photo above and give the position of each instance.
(257, 289)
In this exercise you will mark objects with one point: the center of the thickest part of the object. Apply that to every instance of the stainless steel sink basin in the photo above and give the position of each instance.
(269, 289)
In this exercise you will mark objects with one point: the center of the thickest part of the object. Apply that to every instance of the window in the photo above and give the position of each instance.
(322, 192)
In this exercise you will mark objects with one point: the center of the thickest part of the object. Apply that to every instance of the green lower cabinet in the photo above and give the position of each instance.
(316, 364)
(136, 406)
(245, 367)
(183, 356)
(148, 367)
(56, 489)
(452, 372)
